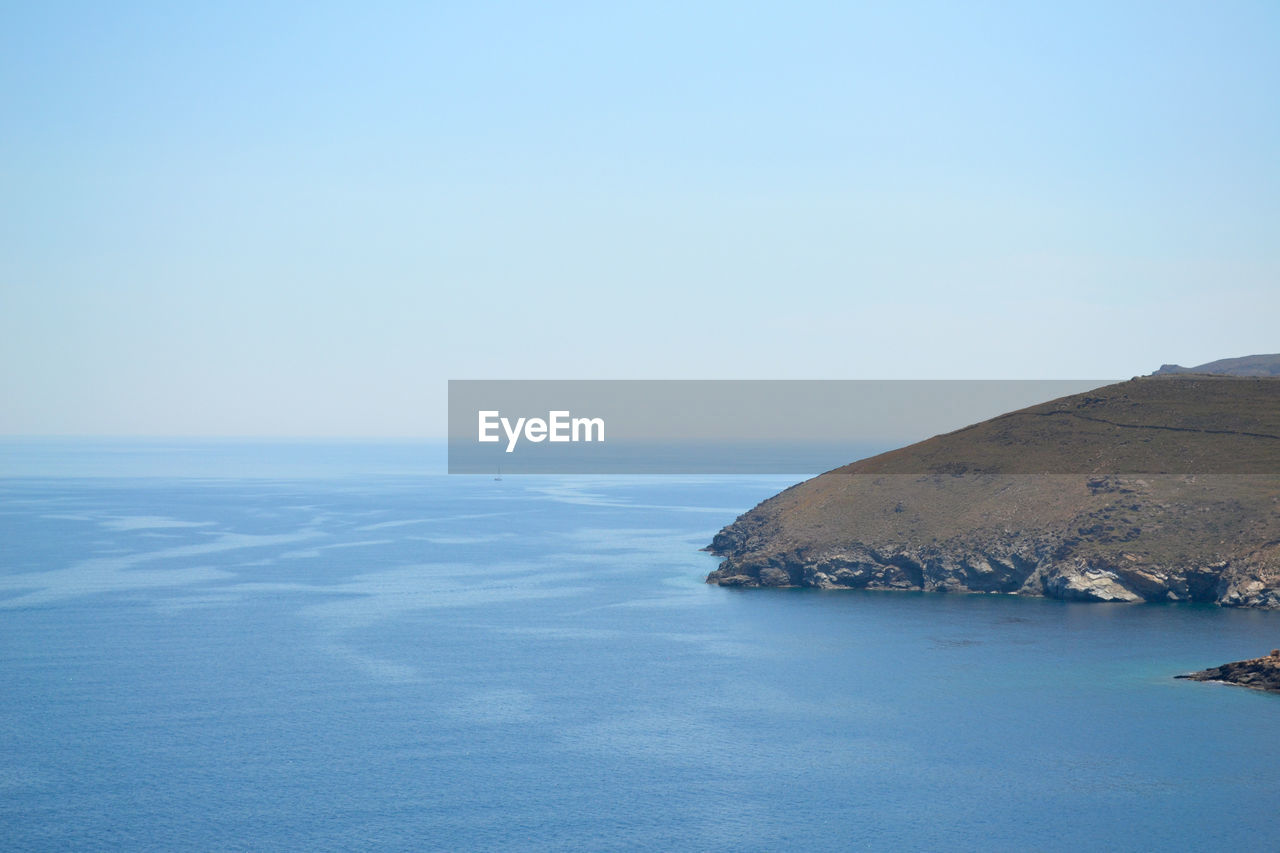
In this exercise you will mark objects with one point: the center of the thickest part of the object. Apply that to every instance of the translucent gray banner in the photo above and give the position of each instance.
(715, 426)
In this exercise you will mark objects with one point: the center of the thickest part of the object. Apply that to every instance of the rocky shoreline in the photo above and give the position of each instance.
(1256, 673)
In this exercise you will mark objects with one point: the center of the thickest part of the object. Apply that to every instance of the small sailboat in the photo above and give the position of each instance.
(499, 477)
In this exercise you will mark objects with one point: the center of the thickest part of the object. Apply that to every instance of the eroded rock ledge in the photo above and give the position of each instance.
(1044, 568)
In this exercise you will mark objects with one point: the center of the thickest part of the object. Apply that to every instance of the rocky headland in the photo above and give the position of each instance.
(1162, 488)
(1256, 674)
(1248, 365)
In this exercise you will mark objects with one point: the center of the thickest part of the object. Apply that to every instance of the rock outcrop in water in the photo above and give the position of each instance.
(1156, 489)
(1257, 674)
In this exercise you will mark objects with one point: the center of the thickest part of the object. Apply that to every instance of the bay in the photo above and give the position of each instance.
(457, 663)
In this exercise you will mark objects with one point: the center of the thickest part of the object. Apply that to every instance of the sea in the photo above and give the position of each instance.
(336, 646)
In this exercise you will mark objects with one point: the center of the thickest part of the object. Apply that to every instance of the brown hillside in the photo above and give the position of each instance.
(1160, 488)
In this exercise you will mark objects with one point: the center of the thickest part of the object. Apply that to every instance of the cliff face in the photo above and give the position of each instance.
(1157, 489)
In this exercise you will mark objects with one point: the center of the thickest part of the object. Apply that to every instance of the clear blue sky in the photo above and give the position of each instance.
(301, 219)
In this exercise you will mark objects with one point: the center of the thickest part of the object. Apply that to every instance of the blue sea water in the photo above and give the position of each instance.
(356, 661)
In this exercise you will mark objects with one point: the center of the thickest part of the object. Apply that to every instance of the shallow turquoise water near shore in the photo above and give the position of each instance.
(463, 664)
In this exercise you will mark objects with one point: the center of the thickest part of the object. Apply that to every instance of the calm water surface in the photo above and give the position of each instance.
(462, 664)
